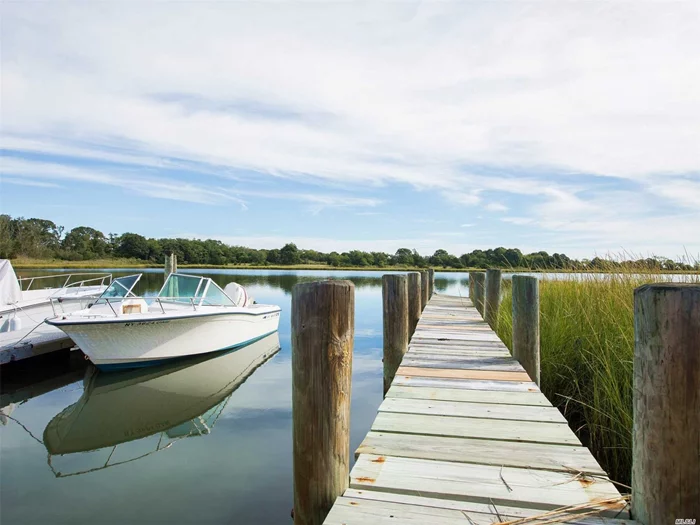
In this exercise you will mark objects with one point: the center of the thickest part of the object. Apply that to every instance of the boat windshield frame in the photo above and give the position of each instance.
(197, 298)
(128, 293)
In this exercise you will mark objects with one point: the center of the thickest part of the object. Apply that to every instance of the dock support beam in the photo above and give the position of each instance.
(414, 301)
(666, 403)
(396, 326)
(492, 297)
(478, 300)
(526, 324)
(424, 289)
(323, 320)
(431, 282)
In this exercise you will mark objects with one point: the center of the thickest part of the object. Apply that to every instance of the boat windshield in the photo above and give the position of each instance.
(182, 288)
(193, 290)
(215, 296)
(120, 287)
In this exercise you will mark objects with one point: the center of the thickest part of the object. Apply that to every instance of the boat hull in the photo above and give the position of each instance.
(136, 343)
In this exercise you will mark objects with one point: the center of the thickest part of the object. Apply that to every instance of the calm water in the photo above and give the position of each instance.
(226, 463)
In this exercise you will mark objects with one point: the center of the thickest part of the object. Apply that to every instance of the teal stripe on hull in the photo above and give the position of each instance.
(115, 367)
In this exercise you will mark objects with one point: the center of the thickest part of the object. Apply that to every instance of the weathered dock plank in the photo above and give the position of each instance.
(470, 384)
(470, 396)
(462, 374)
(563, 458)
(501, 363)
(535, 489)
(371, 506)
(545, 414)
(502, 429)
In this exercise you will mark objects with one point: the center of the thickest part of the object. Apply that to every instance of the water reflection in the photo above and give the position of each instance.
(171, 402)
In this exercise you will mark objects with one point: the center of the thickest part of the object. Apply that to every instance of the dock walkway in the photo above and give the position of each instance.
(465, 437)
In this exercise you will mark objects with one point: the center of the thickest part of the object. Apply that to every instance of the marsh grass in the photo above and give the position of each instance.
(587, 346)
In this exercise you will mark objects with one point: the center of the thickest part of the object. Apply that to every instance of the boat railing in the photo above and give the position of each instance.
(194, 302)
(99, 277)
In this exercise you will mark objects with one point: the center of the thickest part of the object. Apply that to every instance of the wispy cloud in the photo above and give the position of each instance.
(496, 206)
(32, 173)
(37, 172)
(26, 182)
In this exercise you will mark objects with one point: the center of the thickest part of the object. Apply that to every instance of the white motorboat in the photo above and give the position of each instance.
(26, 302)
(189, 316)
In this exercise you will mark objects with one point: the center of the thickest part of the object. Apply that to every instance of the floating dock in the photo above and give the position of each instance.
(35, 338)
(464, 436)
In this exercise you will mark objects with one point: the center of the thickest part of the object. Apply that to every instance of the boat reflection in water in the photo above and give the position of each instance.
(174, 401)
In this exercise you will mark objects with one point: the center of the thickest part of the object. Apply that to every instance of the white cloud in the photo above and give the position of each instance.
(163, 188)
(462, 197)
(25, 182)
(496, 206)
(682, 192)
(128, 180)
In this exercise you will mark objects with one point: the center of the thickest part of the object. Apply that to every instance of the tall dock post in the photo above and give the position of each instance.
(424, 289)
(323, 320)
(170, 264)
(431, 282)
(666, 404)
(471, 286)
(526, 324)
(396, 325)
(414, 301)
(478, 300)
(492, 297)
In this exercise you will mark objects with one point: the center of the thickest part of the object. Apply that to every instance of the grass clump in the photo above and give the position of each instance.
(587, 349)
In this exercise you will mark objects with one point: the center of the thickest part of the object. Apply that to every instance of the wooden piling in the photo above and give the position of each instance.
(423, 289)
(396, 325)
(471, 286)
(431, 282)
(478, 300)
(323, 320)
(414, 301)
(526, 324)
(666, 403)
(170, 264)
(492, 296)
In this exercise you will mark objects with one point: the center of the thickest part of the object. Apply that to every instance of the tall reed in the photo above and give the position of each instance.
(587, 346)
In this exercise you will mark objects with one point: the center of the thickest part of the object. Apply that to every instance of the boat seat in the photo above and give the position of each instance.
(134, 306)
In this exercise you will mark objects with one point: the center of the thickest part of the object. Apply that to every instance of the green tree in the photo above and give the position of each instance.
(6, 243)
(85, 243)
(289, 254)
(440, 258)
(273, 256)
(133, 245)
(403, 256)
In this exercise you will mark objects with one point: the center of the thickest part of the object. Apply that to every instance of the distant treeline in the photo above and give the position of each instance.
(43, 239)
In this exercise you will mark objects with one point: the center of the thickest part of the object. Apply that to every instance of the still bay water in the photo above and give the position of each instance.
(230, 464)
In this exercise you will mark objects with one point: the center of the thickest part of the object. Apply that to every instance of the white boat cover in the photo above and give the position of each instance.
(10, 292)
(237, 294)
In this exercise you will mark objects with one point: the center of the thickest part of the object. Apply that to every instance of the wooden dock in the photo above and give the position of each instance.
(464, 436)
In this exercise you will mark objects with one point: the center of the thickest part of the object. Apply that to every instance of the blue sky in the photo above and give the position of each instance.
(566, 127)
